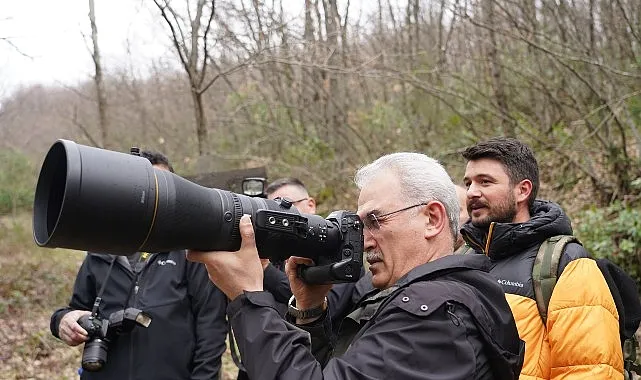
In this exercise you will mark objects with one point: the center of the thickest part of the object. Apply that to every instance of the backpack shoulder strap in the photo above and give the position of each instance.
(544, 271)
(464, 250)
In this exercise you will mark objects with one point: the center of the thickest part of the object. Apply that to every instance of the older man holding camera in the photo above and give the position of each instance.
(426, 313)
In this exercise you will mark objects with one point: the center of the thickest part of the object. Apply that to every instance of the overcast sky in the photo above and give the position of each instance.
(49, 46)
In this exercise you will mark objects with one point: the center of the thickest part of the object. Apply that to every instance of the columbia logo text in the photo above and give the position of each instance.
(510, 283)
(165, 262)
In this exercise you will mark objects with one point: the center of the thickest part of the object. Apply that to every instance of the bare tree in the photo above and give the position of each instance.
(190, 38)
(331, 87)
(99, 80)
(496, 71)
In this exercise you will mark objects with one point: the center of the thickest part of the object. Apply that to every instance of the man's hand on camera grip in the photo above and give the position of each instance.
(70, 331)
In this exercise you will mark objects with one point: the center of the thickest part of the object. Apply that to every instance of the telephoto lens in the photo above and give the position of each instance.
(110, 202)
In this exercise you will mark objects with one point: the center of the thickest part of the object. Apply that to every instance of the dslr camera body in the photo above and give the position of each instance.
(102, 331)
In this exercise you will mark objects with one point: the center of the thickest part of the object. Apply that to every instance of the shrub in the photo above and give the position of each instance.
(614, 233)
(17, 182)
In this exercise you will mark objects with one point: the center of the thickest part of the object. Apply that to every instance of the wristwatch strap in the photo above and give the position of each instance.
(314, 312)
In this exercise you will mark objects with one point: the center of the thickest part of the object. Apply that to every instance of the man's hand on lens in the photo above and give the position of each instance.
(307, 296)
(70, 331)
(234, 272)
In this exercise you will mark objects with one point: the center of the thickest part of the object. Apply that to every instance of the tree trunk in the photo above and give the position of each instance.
(201, 121)
(331, 90)
(508, 128)
(99, 81)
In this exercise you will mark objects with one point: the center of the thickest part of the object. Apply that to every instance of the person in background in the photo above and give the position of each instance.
(580, 339)
(295, 191)
(461, 194)
(186, 336)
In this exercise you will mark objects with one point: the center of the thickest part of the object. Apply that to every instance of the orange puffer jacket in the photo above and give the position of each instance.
(581, 338)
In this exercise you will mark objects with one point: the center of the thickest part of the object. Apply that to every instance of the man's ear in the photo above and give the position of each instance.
(311, 203)
(437, 219)
(522, 191)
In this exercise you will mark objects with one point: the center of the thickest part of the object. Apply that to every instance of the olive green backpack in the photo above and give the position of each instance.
(622, 287)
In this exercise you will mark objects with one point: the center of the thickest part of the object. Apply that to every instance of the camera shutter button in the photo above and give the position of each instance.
(286, 203)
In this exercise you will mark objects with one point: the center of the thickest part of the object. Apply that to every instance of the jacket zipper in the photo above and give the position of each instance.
(489, 239)
(140, 275)
(134, 303)
(473, 242)
(131, 337)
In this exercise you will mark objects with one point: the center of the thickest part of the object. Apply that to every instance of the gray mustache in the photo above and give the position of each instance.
(373, 256)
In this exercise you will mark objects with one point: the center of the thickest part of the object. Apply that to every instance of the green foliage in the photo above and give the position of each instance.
(614, 233)
(29, 282)
(634, 104)
(385, 128)
(310, 150)
(17, 182)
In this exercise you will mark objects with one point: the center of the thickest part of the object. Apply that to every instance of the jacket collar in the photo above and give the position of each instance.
(436, 268)
(504, 239)
(120, 259)
(444, 265)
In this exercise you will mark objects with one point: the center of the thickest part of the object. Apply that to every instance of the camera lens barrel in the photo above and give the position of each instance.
(109, 202)
(93, 198)
(103, 201)
(94, 356)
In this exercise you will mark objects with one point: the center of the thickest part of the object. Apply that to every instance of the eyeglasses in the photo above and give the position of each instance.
(373, 222)
(291, 201)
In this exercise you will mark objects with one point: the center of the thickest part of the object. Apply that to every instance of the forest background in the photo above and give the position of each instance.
(318, 94)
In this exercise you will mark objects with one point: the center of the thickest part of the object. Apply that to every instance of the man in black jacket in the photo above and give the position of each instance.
(423, 314)
(186, 336)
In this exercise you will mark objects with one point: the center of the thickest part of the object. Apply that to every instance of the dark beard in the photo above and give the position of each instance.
(504, 212)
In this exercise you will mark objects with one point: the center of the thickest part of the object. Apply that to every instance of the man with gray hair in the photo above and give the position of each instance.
(422, 312)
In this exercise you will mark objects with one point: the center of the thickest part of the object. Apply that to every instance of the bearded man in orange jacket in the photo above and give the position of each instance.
(580, 339)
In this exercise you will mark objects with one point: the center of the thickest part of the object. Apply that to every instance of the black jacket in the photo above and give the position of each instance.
(512, 247)
(448, 319)
(186, 337)
(275, 281)
(577, 340)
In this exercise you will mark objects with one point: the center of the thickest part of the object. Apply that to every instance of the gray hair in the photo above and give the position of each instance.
(422, 179)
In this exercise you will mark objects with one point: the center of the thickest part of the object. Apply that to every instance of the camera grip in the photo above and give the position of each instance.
(329, 274)
(316, 275)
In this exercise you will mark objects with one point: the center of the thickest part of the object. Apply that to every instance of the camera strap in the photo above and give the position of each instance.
(96, 303)
(235, 355)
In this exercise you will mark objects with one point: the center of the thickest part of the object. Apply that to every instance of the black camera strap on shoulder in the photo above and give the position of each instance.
(96, 303)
